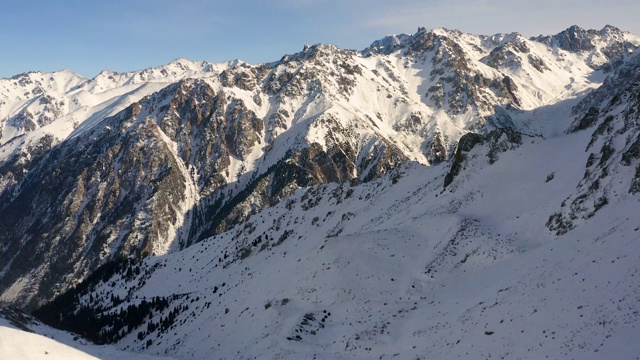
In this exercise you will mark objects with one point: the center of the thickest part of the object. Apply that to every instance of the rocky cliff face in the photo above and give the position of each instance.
(153, 161)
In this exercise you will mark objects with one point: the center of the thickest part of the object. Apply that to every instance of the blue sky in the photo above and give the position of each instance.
(87, 36)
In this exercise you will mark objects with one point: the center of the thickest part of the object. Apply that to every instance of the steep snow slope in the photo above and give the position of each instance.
(401, 267)
(24, 338)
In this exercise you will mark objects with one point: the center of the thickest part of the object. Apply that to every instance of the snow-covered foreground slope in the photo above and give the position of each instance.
(400, 267)
(23, 338)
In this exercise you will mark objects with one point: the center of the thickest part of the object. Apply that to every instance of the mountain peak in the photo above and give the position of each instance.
(391, 43)
(604, 48)
(610, 29)
(62, 72)
(388, 43)
(311, 51)
(573, 39)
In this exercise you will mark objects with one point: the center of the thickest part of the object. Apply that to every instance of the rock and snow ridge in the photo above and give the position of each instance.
(198, 163)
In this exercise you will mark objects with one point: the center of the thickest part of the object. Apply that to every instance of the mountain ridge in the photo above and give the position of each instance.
(149, 164)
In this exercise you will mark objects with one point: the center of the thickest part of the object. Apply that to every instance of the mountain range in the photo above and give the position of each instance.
(433, 195)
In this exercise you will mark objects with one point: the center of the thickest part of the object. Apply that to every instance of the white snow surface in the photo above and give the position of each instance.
(41, 342)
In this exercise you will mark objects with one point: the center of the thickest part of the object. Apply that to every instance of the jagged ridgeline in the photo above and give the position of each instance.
(153, 161)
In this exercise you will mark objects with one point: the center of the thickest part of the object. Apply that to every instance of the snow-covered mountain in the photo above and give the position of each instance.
(342, 200)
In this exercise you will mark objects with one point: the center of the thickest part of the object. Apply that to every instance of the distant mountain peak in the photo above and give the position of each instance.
(312, 51)
(607, 46)
(387, 44)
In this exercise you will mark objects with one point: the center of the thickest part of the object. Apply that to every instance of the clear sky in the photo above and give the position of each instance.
(87, 36)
